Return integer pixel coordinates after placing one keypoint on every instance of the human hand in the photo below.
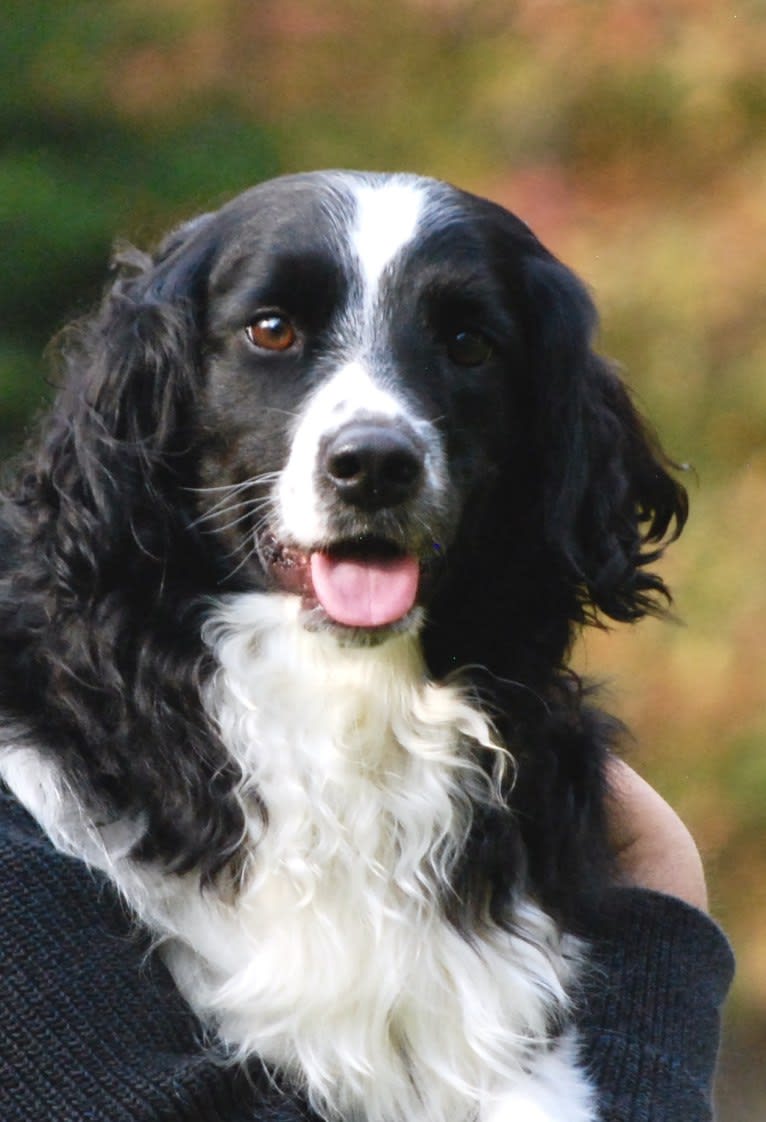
(652, 846)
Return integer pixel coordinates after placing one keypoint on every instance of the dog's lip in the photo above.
(288, 564)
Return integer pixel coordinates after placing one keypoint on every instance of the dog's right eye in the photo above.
(272, 331)
(469, 348)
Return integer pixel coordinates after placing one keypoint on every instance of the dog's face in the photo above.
(377, 394)
(361, 352)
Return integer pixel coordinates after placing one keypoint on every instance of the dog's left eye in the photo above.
(272, 331)
(469, 348)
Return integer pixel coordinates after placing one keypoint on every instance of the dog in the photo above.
(290, 575)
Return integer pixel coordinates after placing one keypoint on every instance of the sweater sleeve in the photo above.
(650, 1019)
(92, 1028)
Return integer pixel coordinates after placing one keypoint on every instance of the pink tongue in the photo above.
(360, 593)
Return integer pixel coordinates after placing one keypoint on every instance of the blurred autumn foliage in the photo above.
(630, 135)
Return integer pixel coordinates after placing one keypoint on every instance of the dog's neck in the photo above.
(356, 738)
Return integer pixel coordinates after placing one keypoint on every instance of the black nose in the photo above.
(373, 465)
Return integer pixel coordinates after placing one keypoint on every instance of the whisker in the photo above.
(250, 553)
(231, 505)
(219, 511)
(229, 525)
(224, 504)
(252, 481)
(250, 540)
(224, 487)
(284, 412)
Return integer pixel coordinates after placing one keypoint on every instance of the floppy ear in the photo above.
(109, 578)
(119, 427)
(610, 500)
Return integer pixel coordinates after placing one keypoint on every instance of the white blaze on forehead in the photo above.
(387, 217)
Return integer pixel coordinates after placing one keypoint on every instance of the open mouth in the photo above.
(365, 583)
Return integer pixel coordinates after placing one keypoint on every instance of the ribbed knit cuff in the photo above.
(651, 1015)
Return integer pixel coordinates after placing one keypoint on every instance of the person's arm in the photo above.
(91, 1026)
(650, 1020)
(652, 846)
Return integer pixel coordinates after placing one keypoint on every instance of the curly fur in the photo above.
(119, 555)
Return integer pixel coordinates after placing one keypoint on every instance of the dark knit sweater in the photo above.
(92, 1029)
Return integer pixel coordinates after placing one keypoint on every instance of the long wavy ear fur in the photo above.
(586, 499)
(610, 496)
(101, 604)
(596, 501)
(119, 428)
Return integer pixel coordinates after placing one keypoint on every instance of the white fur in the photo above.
(387, 217)
(38, 784)
(350, 394)
(334, 962)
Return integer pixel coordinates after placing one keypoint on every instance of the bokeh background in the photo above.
(630, 135)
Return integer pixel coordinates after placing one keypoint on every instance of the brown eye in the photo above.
(272, 332)
(469, 348)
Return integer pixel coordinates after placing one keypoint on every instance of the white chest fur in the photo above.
(335, 961)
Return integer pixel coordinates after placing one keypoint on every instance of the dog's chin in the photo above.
(361, 592)
(315, 619)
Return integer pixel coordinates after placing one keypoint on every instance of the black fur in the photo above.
(106, 575)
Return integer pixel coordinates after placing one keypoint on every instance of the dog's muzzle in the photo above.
(368, 560)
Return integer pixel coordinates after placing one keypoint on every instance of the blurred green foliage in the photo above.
(76, 170)
(631, 136)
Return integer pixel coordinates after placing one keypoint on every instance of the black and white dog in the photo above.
(289, 579)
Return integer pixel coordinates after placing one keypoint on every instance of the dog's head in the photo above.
(377, 394)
